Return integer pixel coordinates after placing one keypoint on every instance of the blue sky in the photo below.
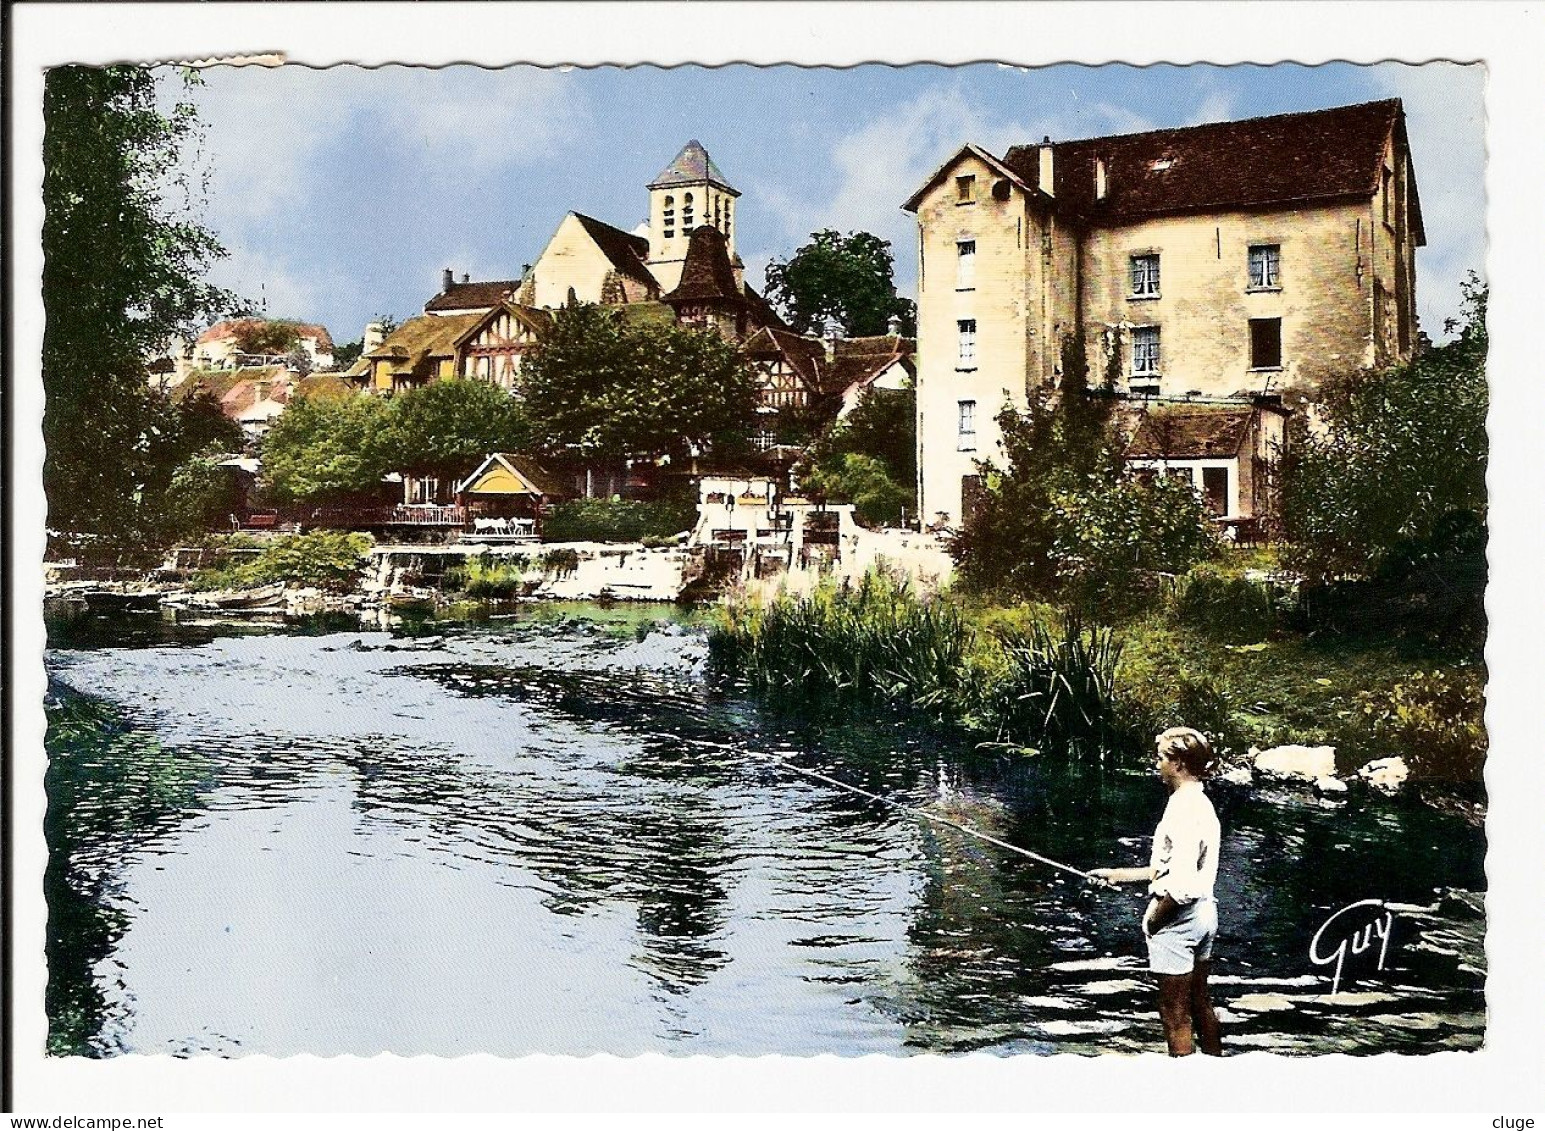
(341, 193)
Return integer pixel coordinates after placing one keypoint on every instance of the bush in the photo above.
(1227, 607)
(612, 520)
(1055, 689)
(326, 559)
(1434, 720)
(483, 578)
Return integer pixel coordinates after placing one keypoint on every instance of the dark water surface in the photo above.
(537, 835)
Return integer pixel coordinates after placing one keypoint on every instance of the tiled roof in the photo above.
(707, 272)
(692, 166)
(1285, 159)
(1190, 433)
(625, 251)
(473, 296)
(858, 361)
(232, 326)
(805, 357)
(762, 312)
(324, 386)
(536, 475)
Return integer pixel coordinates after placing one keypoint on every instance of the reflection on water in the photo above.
(534, 836)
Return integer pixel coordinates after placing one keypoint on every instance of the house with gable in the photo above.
(1224, 269)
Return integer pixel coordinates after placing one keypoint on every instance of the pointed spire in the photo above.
(692, 166)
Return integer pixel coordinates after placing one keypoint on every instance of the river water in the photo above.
(548, 833)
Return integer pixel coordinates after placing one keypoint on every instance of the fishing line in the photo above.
(913, 809)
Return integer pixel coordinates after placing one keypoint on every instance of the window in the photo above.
(1264, 263)
(967, 327)
(668, 219)
(965, 270)
(1145, 351)
(1265, 343)
(966, 437)
(1145, 276)
(965, 190)
(686, 214)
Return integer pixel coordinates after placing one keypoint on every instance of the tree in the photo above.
(870, 457)
(445, 428)
(347, 354)
(849, 278)
(123, 271)
(1065, 518)
(322, 448)
(1399, 471)
(266, 335)
(606, 387)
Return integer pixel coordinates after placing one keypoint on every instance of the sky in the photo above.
(341, 193)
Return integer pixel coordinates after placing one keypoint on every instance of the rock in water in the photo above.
(1386, 775)
(1297, 763)
(1239, 775)
(1329, 786)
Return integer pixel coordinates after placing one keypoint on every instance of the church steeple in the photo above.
(688, 193)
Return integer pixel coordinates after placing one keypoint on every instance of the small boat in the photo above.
(101, 601)
(264, 597)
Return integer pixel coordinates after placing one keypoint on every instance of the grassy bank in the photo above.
(1223, 648)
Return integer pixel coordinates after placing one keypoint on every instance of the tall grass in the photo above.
(484, 578)
(1056, 689)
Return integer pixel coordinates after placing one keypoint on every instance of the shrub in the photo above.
(614, 520)
(1434, 720)
(326, 559)
(560, 563)
(1228, 607)
(484, 578)
(1055, 689)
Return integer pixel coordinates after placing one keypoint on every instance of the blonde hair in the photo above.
(1188, 748)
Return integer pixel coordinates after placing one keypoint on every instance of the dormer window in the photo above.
(965, 190)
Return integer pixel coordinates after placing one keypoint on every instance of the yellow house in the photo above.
(1223, 264)
(486, 344)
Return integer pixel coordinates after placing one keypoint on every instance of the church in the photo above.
(678, 265)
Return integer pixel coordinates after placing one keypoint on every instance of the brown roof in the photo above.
(1285, 159)
(1190, 433)
(762, 312)
(707, 273)
(232, 326)
(858, 361)
(473, 296)
(421, 339)
(625, 251)
(692, 166)
(804, 356)
(324, 386)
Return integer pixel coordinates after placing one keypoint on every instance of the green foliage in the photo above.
(266, 335)
(325, 559)
(608, 387)
(1227, 606)
(487, 578)
(446, 428)
(202, 496)
(1435, 720)
(322, 447)
(870, 458)
(608, 520)
(1403, 455)
(1065, 518)
(874, 642)
(123, 268)
(849, 278)
(866, 482)
(1055, 690)
(346, 355)
(560, 562)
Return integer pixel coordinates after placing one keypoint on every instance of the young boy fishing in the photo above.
(1182, 917)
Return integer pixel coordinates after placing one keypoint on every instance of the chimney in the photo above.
(893, 325)
(466, 278)
(833, 335)
(1045, 183)
(447, 280)
(375, 334)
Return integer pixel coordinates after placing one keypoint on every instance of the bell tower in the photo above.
(688, 193)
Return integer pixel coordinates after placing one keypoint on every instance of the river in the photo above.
(548, 833)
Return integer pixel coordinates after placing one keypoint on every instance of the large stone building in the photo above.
(1213, 268)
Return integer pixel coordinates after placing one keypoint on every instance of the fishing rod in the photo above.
(912, 809)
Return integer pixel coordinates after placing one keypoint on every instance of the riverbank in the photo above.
(1327, 714)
